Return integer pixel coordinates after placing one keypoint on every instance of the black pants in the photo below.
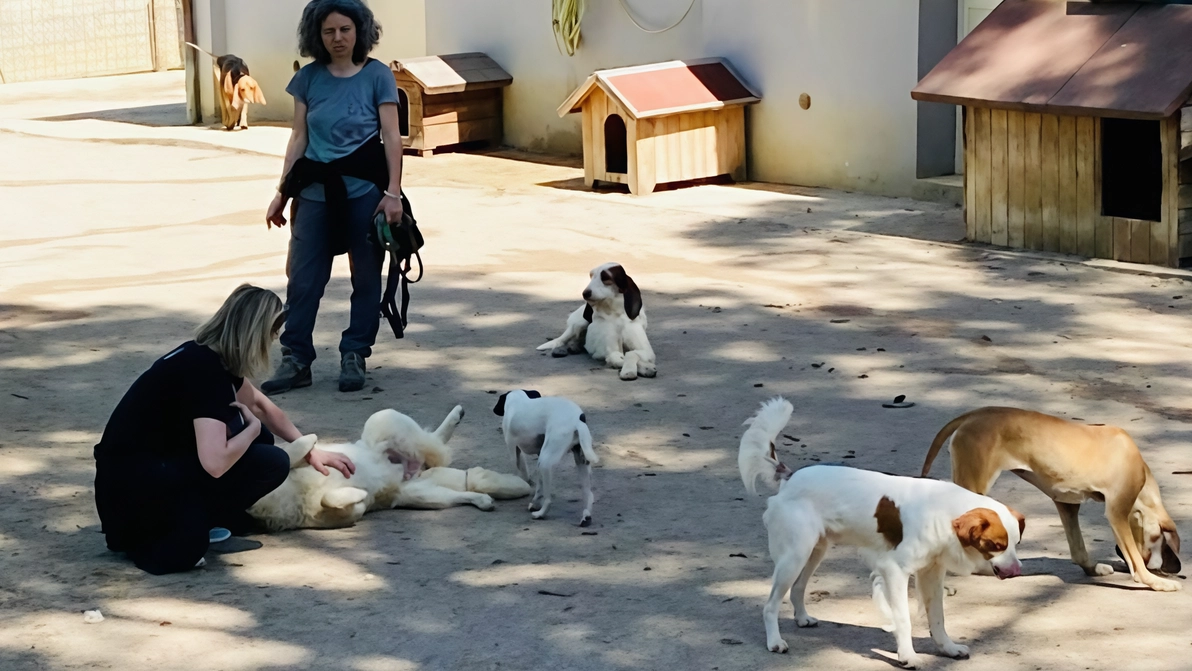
(160, 511)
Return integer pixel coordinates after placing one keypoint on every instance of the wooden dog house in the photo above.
(665, 122)
(448, 100)
(1072, 128)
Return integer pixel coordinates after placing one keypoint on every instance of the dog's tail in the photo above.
(755, 458)
(941, 438)
(198, 48)
(585, 443)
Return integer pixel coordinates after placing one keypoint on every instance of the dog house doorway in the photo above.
(616, 145)
(403, 112)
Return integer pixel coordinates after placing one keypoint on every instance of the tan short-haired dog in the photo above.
(1071, 463)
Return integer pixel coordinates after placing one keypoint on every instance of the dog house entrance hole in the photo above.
(403, 112)
(616, 145)
(1131, 169)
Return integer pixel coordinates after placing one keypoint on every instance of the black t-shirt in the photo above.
(156, 416)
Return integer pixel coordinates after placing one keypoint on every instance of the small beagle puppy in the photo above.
(611, 325)
(548, 428)
(901, 526)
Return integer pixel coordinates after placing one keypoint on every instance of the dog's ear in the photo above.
(1171, 549)
(530, 393)
(588, 313)
(499, 408)
(251, 91)
(626, 285)
(1021, 521)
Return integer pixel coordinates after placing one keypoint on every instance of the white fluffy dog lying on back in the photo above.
(398, 465)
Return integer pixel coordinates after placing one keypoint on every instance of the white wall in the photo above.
(264, 34)
(857, 59)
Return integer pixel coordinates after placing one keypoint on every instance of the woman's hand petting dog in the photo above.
(322, 461)
(391, 207)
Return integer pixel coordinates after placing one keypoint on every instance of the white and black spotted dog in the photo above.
(611, 325)
(548, 428)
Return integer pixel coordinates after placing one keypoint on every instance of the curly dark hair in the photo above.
(310, 28)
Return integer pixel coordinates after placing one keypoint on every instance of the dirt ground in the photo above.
(121, 229)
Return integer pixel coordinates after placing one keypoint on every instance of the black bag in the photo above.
(403, 241)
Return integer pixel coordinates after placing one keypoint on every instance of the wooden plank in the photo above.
(645, 158)
(467, 131)
(464, 111)
(706, 146)
(1068, 193)
(982, 198)
(1016, 195)
(1086, 226)
(1171, 175)
(999, 182)
(1121, 239)
(589, 155)
(598, 103)
(1050, 197)
(970, 187)
(687, 147)
(631, 163)
(447, 99)
(1103, 224)
(1140, 241)
(674, 149)
(1033, 179)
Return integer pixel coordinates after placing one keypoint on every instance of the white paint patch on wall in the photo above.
(856, 59)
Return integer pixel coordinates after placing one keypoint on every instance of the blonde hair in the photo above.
(242, 329)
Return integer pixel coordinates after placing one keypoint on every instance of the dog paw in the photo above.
(777, 646)
(628, 376)
(911, 661)
(647, 371)
(559, 352)
(1101, 569)
(1163, 585)
(485, 502)
(586, 521)
(949, 590)
(533, 506)
(806, 621)
(538, 514)
(955, 651)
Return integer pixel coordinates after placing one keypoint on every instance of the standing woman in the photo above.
(340, 175)
(185, 449)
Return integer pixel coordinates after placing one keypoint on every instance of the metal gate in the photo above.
(60, 39)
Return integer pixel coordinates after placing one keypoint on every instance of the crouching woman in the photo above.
(189, 448)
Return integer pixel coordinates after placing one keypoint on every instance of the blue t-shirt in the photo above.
(341, 114)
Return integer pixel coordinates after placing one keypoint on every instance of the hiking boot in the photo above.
(351, 372)
(290, 375)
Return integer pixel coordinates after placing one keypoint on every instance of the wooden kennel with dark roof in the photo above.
(664, 122)
(449, 100)
(1073, 130)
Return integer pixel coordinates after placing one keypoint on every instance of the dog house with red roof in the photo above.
(665, 122)
(1074, 136)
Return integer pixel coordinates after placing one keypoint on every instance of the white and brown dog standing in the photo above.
(548, 427)
(611, 325)
(1071, 463)
(901, 526)
(398, 465)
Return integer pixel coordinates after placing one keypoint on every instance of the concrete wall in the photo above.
(857, 59)
(264, 34)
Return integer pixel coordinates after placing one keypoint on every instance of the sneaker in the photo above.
(218, 535)
(290, 375)
(351, 372)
